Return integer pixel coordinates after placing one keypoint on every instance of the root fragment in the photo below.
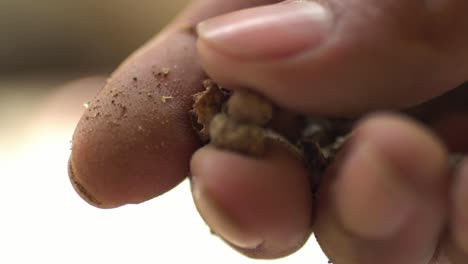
(207, 104)
(227, 133)
(232, 121)
(245, 122)
(248, 107)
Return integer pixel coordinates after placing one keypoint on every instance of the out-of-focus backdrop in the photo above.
(44, 46)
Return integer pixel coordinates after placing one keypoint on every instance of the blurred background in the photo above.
(44, 46)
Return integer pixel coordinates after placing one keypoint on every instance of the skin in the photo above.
(390, 197)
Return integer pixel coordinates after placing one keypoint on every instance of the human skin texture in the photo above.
(135, 141)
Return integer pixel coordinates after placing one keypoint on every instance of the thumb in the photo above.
(340, 57)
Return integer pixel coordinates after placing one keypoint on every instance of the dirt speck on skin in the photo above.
(123, 111)
(112, 124)
(94, 115)
(166, 99)
(114, 93)
(163, 72)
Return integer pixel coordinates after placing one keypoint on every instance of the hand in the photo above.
(388, 199)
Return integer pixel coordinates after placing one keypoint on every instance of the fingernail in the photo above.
(268, 32)
(80, 189)
(222, 222)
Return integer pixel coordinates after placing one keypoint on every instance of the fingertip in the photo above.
(267, 201)
(387, 194)
(114, 166)
(368, 183)
(81, 190)
(414, 150)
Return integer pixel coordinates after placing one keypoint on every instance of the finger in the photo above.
(340, 57)
(385, 201)
(452, 127)
(457, 242)
(135, 140)
(261, 207)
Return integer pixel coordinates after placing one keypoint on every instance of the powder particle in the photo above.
(95, 115)
(166, 99)
(164, 71)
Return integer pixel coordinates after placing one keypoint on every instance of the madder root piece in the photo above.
(247, 107)
(207, 104)
(228, 133)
